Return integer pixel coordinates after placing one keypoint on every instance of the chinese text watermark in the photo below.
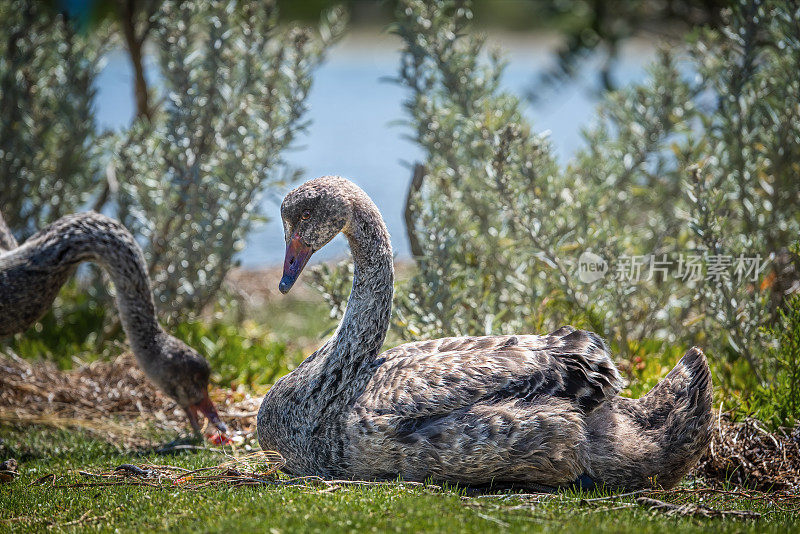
(684, 267)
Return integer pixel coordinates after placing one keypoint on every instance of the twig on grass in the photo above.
(615, 496)
(257, 469)
(695, 510)
(745, 454)
(490, 518)
(85, 517)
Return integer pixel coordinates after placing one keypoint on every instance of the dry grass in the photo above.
(745, 454)
(113, 400)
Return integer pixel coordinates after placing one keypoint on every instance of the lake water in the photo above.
(352, 111)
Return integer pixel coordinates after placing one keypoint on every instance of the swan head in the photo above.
(183, 374)
(313, 214)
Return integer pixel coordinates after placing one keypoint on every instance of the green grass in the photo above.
(41, 451)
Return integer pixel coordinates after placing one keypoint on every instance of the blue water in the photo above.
(352, 111)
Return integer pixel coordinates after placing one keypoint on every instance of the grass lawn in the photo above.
(42, 451)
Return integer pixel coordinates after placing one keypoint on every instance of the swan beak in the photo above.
(206, 407)
(297, 255)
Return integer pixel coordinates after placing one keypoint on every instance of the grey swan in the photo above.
(522, 410)
(31, 275)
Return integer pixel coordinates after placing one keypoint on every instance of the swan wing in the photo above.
(429, 379)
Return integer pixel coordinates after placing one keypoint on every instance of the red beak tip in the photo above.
(220, 439)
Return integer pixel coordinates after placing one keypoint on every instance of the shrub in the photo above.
(236, 85)
(742, 168)
(48, 144)
(494, 190)
(778, 402)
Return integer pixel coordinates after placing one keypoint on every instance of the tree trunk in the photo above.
(413, 189)
(135, 44)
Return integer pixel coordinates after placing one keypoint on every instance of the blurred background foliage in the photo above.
(592, 30)
(187, 176)
(700, 159)
(49, 157)
(193, 174)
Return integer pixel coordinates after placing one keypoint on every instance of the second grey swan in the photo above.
(32, 274)
(525, 409)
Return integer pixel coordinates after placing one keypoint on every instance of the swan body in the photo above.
(31, 275)
(525, 409)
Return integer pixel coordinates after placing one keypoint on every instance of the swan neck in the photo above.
(104, 241)
(361, 333)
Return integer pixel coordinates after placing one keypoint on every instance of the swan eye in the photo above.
(306, 215)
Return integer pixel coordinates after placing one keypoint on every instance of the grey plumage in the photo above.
(525, 409)
(31, 275)
(7, 241)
